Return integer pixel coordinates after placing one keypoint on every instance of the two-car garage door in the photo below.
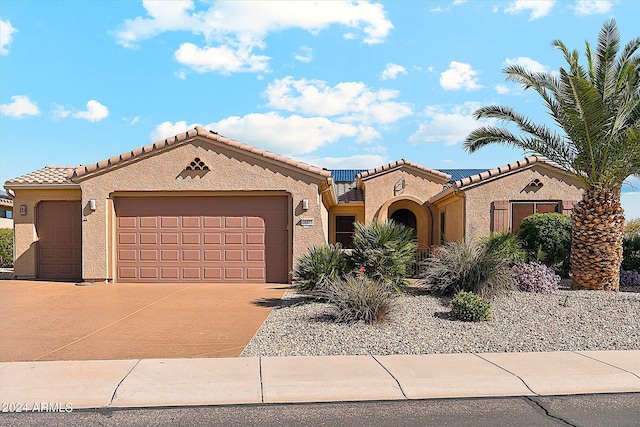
(202, 239)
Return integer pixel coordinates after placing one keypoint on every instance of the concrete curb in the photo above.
(253, 380)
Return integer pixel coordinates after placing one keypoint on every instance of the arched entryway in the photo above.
(407, 218)
(412, 212)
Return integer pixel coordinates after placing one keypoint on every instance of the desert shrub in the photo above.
(322, 264)
(474, 267)
(631, 252)
(360, 298)
(508, 244)
(629, 278)
(6, 247)
(470, 307)
(632, 227)
(535, 277)
(548, 235)
(385, 250)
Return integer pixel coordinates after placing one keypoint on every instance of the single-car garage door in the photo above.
(202, 239)
(59, 228)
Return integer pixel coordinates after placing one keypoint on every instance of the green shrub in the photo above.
(359, 298)
(385, 250)
(508, 244)
(548, 235)
(631, 252)
(6, 247)
(632, 227)
(470, 307)
(475, 267)
(322, 264)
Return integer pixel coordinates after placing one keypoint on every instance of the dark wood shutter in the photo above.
(500, 215)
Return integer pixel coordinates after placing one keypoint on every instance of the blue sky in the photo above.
(334, 84)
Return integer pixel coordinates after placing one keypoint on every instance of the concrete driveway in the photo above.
(62, 321)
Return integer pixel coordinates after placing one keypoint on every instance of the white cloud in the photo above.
(536, 8)
(290, 135)
(6, 36)
(358, 161)
(459, 76)
(448, 127)
(234, 29)
(94, 113)
(222, 59)
(132, 121)
(287, 135)
(304, 54)
(347, 101)
(21, 106)
(167, 129)
(502, 89)
(527, 63)
(59, 112)
(392, 71)
(592, 7)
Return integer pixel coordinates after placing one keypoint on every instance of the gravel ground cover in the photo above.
(420, 324)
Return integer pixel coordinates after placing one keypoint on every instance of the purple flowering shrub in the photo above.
(629, 278)
(535, 277)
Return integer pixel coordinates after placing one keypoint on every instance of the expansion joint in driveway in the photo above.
(115, 391)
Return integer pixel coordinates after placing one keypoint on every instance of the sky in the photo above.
(340, 85)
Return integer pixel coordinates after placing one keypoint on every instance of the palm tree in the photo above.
(597, 109)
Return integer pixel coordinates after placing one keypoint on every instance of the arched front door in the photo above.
(407, 218)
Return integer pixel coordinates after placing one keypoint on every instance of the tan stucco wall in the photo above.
(379, 189)
(557, 186)
(164, 172)
(453, 208)
(26, 237)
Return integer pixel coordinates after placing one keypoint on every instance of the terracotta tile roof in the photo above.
(403, 162)
(492, 173)
(46, 175)
(192, 133)
(348, 192)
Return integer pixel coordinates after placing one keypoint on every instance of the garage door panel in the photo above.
(224, 239)
(149, 222)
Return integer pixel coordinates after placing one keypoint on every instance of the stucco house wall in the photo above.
(162, 174)
(557, 186)
(26, 237)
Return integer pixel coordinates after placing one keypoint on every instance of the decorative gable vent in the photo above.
(197, 165)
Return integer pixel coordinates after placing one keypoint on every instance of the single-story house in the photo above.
(6, 210)
(200, 207)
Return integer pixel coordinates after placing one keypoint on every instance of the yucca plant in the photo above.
(322, 264)
(597, 111)
(471, 267)
(384, 251)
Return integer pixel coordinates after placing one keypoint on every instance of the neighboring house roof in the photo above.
(400, 163)
(345, 175)
(185, 136)
(44, 176)
(457, 174)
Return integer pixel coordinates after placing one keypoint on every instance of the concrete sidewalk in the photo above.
(251, 380)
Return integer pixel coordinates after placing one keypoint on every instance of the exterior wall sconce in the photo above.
(23, 209)
(92, 205)
(305, 204)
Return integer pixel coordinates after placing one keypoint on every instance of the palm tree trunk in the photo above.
(596, 240)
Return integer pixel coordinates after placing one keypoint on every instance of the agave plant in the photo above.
(384, 251)
(597, 111)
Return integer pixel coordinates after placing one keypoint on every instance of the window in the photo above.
(344, 230)
(4, 213)
(520, 210)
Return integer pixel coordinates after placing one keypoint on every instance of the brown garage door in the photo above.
(202, 239)
(59, 228)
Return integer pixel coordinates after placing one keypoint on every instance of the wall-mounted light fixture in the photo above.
(23, 209)
(92, 205)
(305, 204)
